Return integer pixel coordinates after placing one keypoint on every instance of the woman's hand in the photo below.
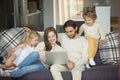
(43, 59)
(70, 65)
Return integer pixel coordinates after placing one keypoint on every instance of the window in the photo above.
(68, 9)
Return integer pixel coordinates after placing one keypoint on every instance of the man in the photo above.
(77, 48)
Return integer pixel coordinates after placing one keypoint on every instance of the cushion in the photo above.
(9, 39)
(109, 53)
(97, 59)
(103, 72)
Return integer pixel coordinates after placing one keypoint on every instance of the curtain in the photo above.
(68, 9)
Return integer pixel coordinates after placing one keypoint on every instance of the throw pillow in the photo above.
(109, 53)
(9, 39)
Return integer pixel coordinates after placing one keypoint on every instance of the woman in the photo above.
(50, 43)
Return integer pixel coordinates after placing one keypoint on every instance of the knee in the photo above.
(35, 54)
(54, 67)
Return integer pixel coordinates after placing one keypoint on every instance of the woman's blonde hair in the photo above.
(30, 35)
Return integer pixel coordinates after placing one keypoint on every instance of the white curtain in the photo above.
(68, 9)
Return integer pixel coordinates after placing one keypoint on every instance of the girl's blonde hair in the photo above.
(30, 35)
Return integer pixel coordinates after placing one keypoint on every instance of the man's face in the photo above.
(70, 32)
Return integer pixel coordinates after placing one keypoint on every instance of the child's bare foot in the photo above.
(1, 72)
(3, 66)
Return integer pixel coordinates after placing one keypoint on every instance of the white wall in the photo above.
(103, 17)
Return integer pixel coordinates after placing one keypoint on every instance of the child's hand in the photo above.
(26, 29)
(102, 41)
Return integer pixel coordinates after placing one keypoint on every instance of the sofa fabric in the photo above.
(9, 39)
(103, 72)
(109, 53)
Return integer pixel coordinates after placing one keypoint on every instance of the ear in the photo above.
(76, 28)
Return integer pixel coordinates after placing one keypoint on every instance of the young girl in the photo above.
(94, 34)
(23, 50)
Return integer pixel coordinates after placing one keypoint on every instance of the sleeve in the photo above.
(84, 54)
(40, 48)
(18, 52)
(81, 29)
(102, 33)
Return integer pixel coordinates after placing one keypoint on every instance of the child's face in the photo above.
(89, 21)
(33, 41)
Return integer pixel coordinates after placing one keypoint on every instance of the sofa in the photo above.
(104, 69)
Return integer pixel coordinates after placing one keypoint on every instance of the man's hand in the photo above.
(70, 65)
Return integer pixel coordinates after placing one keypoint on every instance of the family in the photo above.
(29, 55)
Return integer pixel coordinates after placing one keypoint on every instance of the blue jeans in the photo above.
(29, 64)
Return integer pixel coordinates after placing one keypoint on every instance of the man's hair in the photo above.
(70, 23)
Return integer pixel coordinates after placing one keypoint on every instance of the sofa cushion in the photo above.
(9, 39)
(6, 78)
(97, 59)
(44, 75)
(109, 52)
(103, 72)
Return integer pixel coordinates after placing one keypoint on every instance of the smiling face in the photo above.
(52, 38)
(89, 21)
(89, 17)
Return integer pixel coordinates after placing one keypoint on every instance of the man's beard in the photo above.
(71, 37)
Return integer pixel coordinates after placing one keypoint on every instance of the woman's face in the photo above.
(52, 38)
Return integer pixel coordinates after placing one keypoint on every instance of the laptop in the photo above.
(56, 57)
